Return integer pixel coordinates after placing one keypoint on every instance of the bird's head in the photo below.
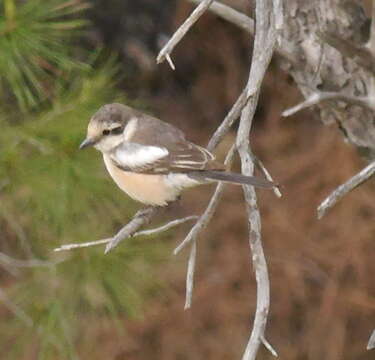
(106, 127)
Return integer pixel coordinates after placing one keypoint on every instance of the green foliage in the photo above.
(51, 193)
(35, 39)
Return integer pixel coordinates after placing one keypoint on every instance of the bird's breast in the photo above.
(157, 190)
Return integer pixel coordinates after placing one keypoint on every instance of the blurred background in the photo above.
(59, 62)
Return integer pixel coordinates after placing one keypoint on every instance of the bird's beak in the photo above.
(87, 142)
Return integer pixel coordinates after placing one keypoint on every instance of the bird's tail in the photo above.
(231, 177)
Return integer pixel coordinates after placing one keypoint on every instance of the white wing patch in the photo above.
(132, 155)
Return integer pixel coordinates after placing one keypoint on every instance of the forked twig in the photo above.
(235, 17)
(165, 52)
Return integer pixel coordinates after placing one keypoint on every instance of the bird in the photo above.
(151, 160)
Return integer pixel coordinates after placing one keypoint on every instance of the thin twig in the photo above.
(203, 220)
(190, 276)
(233, 114)
(231, 15)
(371, 341)
(141, 218)
(166, 51)
(268, 176)
(206, 217)
(345, 188)
(7, 260)
(269, 347)
(196, 230)
(320, 96)
(157, 230)
(371, 44)
(246, 23)
(264, 44)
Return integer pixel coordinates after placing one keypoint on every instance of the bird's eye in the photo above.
(116, 130)
(106, 132)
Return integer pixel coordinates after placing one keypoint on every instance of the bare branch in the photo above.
(371, 44)
(264, 44)
(233, 114)
(157, 230)
(246, 23)
(204, 220)
(343, 189)
(269, 347)
(231, 15)
(190, 276)
(166, 51)
(371, 342)
(141, 218)
(268, 176)
(197, 228)
(320, 96)
(209, 212)
(9, 261)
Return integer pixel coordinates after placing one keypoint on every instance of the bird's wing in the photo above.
(156, 147)
(182, 156)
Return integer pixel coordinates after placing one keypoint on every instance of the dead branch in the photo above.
(264, 44)
(165, 52)
(247, 23)
(199, 226)
(149, 232)
(344, 189)
(371, 43)
(231, 15)
(371, 342)
(141, 218)
(318, 97)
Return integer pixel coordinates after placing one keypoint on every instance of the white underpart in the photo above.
(133, 155)
(130, 129)
(178, 182)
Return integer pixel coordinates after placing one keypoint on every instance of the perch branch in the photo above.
(141, 218)
(264, 44)
(165, 52)
(157, 230)
(345, 188)
(371, 342)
